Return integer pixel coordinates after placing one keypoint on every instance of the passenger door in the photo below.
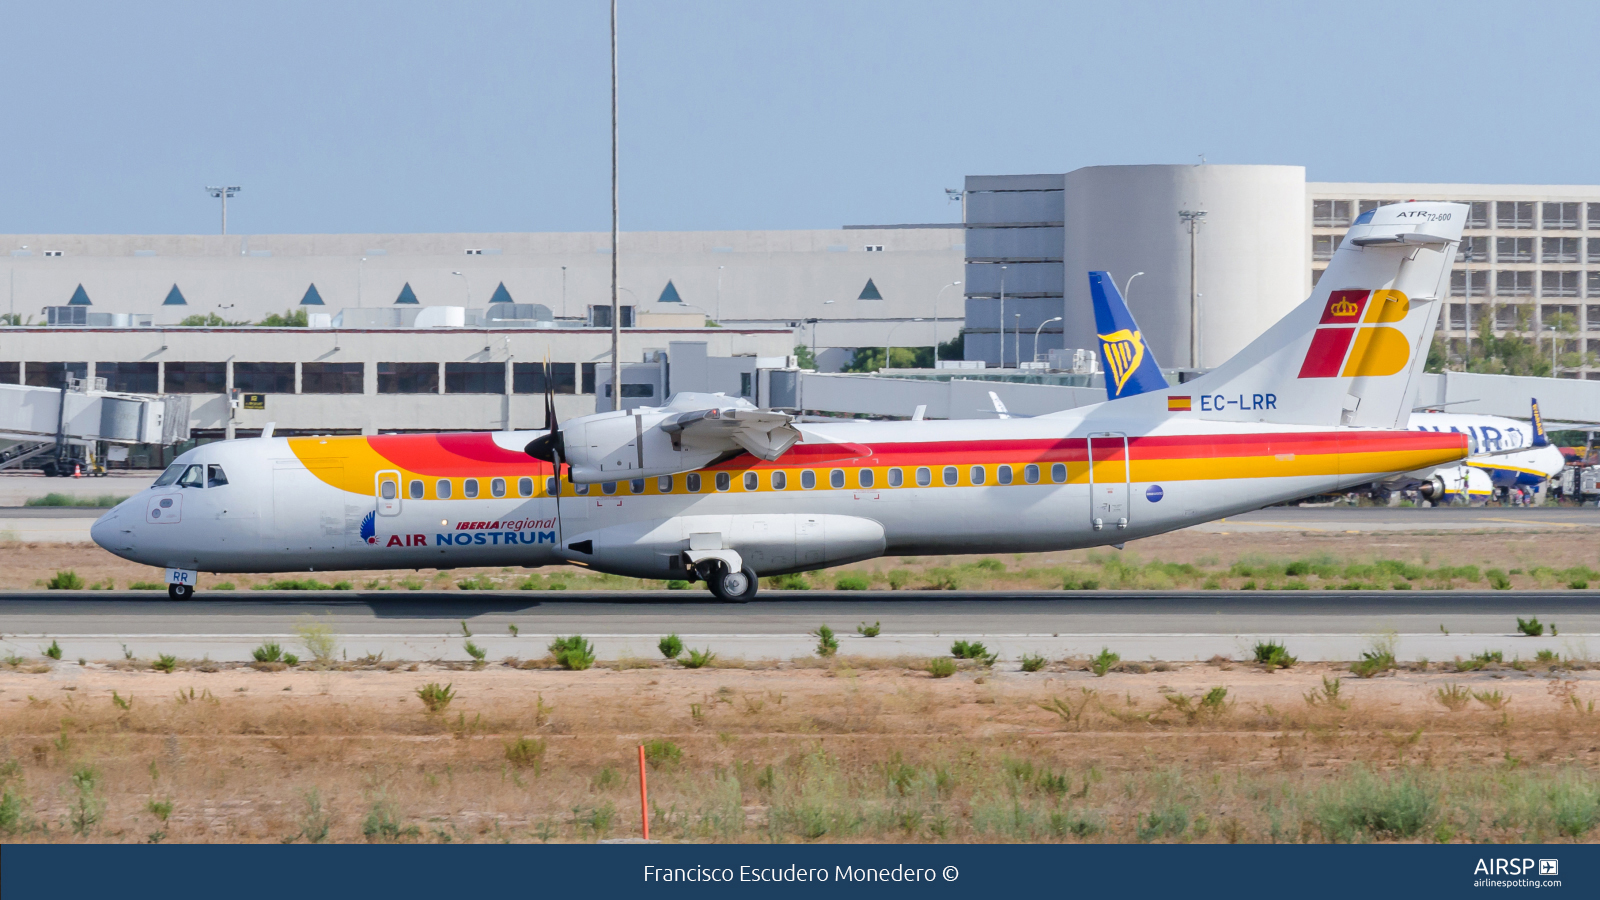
(1108, 481)
(388, 488)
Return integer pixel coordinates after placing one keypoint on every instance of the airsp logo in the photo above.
(1501, 866)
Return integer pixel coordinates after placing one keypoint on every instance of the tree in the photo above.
(1516, 351)
(296, 319)
(208, 320)
(804, 358)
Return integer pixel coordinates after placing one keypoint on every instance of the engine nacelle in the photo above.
(692, 431)
(768, 544)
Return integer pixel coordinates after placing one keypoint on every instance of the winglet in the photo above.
(1131, 367)
(1540, 439)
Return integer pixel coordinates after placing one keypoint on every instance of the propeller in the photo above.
(550, 447)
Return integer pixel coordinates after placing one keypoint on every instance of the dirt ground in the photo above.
(804, 750)
(1556, 559)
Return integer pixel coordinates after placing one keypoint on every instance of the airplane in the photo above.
(708, 488)
(1507, 453)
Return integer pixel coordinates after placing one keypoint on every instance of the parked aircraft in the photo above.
(1506, 453)
(708, 488)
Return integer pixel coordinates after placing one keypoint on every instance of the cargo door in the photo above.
(1108, 481)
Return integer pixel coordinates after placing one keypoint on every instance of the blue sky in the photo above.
(493, 116)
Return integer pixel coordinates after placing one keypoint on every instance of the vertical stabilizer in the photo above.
(1131, 366)
(1540, 439)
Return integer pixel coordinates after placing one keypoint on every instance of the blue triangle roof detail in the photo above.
(312, 298)
(501, 295)
(79, 298)
(669, 294)
(406, 295)
(174, 298)
(870, 292)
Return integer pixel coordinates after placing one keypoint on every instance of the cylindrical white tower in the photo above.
(1252, 254)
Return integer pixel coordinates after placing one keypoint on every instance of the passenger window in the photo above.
(1002, 474)
(977, 474)
(636, 486)
(866, 478)
(552, 486)
(470, 487)
(723, 481)
(808, 479)
(836, 478)
(610, 487)
(442, 488)
(664, 484)
(1058, 473)
(924, 476)
(416, 488)
(524, 487)
(581, 490)
(497, 487)
(388, 491)
(215, 476)
(896, 478)
(752, 481)
(692, 483)
(779, 481)
(170, 475)
(950, 476)
(1030, 474)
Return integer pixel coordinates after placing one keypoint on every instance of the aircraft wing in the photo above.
(759, 432)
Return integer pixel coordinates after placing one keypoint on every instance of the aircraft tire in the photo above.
(736, 587)
(180, 591)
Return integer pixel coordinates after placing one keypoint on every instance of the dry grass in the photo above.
(877, 752)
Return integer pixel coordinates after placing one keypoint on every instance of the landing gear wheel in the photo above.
(734, 587)
(180, 591)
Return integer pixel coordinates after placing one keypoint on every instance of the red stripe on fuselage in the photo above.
(460, 454)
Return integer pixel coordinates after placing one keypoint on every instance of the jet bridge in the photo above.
(71, 421)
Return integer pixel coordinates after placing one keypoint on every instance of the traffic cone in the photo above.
(77, 470)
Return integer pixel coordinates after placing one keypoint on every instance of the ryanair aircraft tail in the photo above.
(1540, 439)
(1351, 353)
(1130, 365)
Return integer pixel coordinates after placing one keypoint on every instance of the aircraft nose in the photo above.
(103, 530)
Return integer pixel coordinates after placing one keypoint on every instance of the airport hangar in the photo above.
(450, 331)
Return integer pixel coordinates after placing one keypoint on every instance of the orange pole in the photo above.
(644, 796)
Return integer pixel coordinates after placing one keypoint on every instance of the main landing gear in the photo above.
(180, 591)
(727, 584)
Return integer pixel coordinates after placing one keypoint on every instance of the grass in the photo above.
(1531, 627)
(941, 667)
(1272, 655)
(53, 651)
(670, 646)
(318, 639)
(157, 586)
(660, 753)
(165, 662)
(851, 581)
(478, 653)
(873, 630)
(827, 643)
(524, 753)
(698, 659)
(101, 501)
(65, 580)
(1453, 697)
(435, 699)
(1378, 657)
(572, 653)
(302, 584)
(1103, 661)
(268, 652)
(1032, 662)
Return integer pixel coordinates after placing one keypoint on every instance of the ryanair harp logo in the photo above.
(1124, 350)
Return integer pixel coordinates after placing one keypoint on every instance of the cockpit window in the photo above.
(194, 477)
(170, 475)
(215, 476)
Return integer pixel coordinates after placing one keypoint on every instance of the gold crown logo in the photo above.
(1344, 307)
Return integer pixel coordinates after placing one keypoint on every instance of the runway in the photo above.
(1334, 625)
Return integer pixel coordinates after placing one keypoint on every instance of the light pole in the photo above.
(563, 291)
(889, 343)
(469, 286)
(1552, 329)
(1041, 328)
(1002, 317)
(223, 193)
(813, 323)
(1127, 286)
(361, 277)
(1016, 338)
(1193, 218)
(936, 321)
(616, 311)
(719, 295)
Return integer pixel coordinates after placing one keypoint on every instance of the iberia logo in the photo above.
(1350, 341)
(1124, 351)
(369, 528)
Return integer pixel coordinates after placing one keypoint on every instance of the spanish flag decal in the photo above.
(1178, 404)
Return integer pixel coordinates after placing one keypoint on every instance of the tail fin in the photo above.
(1130, 365)
(1350, 354)
(1540, 439)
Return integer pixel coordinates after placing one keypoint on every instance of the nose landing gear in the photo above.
(180, 591)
